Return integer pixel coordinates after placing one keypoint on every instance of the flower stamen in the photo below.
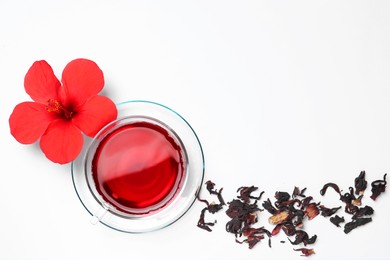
(56, 107)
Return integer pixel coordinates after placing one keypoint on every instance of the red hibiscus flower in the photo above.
(60, 112)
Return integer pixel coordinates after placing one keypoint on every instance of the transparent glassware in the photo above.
(176, 204)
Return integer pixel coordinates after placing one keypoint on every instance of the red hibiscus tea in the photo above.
(139, 167)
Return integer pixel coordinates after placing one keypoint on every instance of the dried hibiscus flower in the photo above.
(336, 220)
(245, 193)
(360, 183)
(210, 207)
(254, 235)
(243, 215)
(312, 210)
(202, 223)
(326, 212)
(302, 237)
(353, 203)
(59, 112)
(377, 187)
(361, 212)
(267, 205)
(356, 223)
(305, 251)
(210, 187)
(288, 212)
(331, 185)
(297, 192)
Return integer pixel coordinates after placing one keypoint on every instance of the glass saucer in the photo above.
(176, 204)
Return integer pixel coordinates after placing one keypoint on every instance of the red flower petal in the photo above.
(62, 141)
(94, 114)
(29, 121)
(81, 80)
(41, 83)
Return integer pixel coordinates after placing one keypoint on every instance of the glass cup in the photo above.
(182, 193)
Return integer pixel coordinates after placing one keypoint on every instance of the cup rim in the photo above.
(100, 136)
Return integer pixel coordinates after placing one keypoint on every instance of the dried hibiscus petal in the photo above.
(302, 237)
(235, 209)
(297, 192)
(245, 193)
(360, 183)
(255, 232)
(210, 187)
(331, 185)
(205, 225)
(249, 231)
(356, 223)
(351, 209)
(276, 229)
(252, 241)
(305, 251)
(326, 212)
(234, 226)
(289, 203)
(306, 201)
(312, 211)
(267, 205)
(240, 210)
(243, 215)
(289, 229)
(213, 208)
(348, 197)
(377, 187)
(281, 196)
(298, 216)
(336, 220)
(210, 207)
(361, 212)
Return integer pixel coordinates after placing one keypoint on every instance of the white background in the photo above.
(281, 94)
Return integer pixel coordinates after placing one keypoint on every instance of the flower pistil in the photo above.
(56, 107)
